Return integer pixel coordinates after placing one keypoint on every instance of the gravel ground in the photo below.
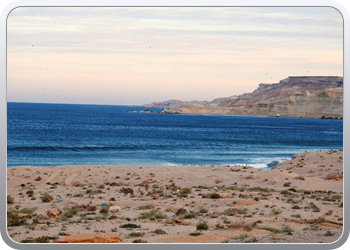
(321, 236)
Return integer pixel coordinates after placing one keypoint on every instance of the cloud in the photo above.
(166, 46)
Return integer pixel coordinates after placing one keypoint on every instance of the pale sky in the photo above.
(134, 56)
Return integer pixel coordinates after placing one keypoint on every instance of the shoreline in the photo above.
(232, 200)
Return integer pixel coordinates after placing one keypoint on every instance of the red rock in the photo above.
(53, 213)
(91, 238)
(147, 182)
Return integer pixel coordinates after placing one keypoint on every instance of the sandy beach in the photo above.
(297, 201)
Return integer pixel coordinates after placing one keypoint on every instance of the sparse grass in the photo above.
(252, 240)
(230, 212)
(140, 241)
(16, 223)
(152, 215)
(38, 178)
(144, 207)
(30, 192)
(195, 233)
(27, 210)
(41, 239)
(273, 230)
(63, 234)
(189, 216)
(330, 212)
(136, 234)
(243, 196)
(242, 210)
(70, 212)
(276, 211)
(46, 198)
(287, 230)
(329, 233)
(241, 237)
(241, 224)
(185, 191)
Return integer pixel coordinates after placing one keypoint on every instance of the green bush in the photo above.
(140, 241)
(27, 210)
(195, 233)
(70, 212)
(213, 196)
(202, 226)
(159, 231)
(185, 191)
(287, 184)
(152, 215)
(10, 199)
(46, 198)
(189, 216)
(130, 225)
(135, 234)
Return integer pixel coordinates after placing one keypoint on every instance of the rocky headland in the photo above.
(295, 96)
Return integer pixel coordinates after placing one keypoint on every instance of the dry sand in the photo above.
(297, 201)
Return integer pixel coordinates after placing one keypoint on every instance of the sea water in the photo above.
(61, 134)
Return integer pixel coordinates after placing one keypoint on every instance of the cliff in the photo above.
(304, 96)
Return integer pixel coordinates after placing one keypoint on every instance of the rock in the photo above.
(146, 182)
(298, 96)
(278, 115)
(115, 209)
(178, 222)
(91, 238)
(53, 213)
(129, 111)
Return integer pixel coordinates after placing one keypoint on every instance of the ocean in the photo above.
(61, 134)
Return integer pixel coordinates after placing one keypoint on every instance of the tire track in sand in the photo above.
(73, 174)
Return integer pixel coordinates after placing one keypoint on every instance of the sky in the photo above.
(134, 56)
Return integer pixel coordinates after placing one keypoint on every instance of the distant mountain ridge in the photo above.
(295, 96)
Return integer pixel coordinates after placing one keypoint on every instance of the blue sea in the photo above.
(60, 134)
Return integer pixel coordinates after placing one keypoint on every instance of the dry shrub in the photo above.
(302, 178)
(181, 211)
(77, 184)
(250, 177)
(334, 176)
